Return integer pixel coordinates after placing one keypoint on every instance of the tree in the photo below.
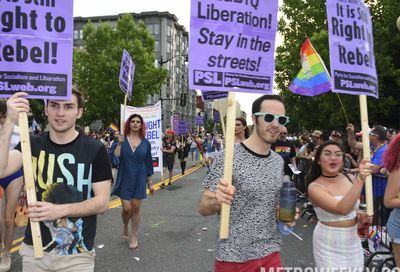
(308, 18)
(97, 66)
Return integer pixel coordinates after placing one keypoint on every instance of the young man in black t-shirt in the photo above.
(286, 150)
(61, 156)
(168, 149)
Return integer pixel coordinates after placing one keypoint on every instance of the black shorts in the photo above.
(169, 163)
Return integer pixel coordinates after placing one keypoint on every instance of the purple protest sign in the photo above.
(127, 74)
(207, 95)
(351, 47)
(217, 116)
(199, 120)
(174, 122)
(232, 45)
(36, 52)
(182, 127)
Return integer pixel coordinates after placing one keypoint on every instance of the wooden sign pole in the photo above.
(29, 181)
(222, 117)
(229, 142)
(366, 151)
(123, 116)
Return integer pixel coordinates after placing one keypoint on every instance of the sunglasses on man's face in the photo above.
(269, 117)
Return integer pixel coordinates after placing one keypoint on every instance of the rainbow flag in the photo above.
(114, 127)
(374, 236)
(313, 78)
(198, 156)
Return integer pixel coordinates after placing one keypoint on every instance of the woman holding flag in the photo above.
(336, 244)
(134, 174)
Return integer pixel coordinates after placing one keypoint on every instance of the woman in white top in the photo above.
(336, 244)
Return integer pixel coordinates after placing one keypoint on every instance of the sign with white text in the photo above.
(152, 116)
(127, 74)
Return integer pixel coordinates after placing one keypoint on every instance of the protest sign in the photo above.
(232, 45)
(353, 67)
(199, 120)
(207, 95)
(36, 48)
(174, 122)
(351, 47)
(183, 127)
(216, 116)
(152, 116)
(127, 74)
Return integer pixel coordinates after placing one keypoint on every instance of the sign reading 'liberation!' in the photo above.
(351, 47)
(232, 45)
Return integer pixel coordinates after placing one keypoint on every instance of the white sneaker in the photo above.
(5, 264)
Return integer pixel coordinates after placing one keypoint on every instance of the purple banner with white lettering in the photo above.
(127, 74)
(174, 122)
(199, 120)
(207, 95)
(232, 45)
(351, 47)
(36, 48)
(217, 116)
(183, 127)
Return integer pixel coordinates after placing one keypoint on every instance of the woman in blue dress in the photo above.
(134, 174)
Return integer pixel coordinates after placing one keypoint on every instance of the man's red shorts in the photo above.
(260, 265)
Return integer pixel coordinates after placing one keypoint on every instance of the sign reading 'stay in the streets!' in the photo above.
(351, 45)
(232, 45)
(36, 48)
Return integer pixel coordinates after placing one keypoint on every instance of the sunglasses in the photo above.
(269, 118)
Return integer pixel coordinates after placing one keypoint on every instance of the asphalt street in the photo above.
(173, 237)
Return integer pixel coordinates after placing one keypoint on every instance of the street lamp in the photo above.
(162, 62)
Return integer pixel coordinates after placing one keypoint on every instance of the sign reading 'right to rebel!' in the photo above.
(232, 45)
(351, 47)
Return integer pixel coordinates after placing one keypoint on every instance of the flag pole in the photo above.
(344, 111)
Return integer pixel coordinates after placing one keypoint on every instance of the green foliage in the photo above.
(303, 18)
(97, 66)
(37, 108)
(210, 125)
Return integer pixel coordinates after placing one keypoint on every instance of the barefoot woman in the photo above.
(134, 174)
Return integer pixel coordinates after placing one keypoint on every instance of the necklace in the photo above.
(334, 176)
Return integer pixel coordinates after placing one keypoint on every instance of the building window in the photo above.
(156, 29)
(157, 46)
(168, 49)
(76, 34)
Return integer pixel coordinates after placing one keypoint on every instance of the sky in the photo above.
(180, 8)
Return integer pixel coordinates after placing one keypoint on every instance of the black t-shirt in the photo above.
(287, 151)
(64, 174)
(167, 145)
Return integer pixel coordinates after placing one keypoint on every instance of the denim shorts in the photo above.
(393, 226)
